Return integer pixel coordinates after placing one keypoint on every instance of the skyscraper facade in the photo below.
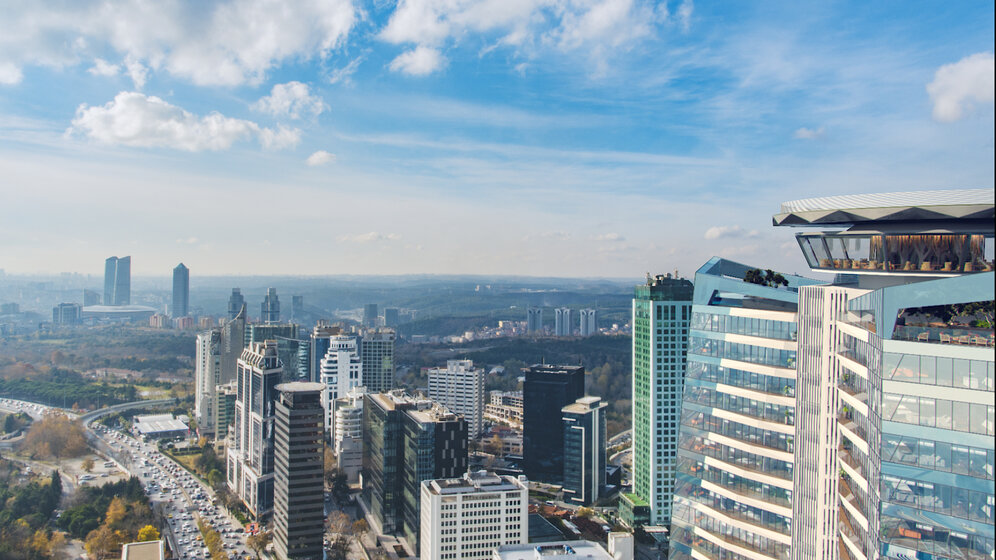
(589, 322)
(377, 355)
(320, 336)
(534, 320)
(661, 313)
(341, 370)
(236, 302)
(460, 387)
(546, 390)
(563, 322)
(370, 315)
(347, 434)
(181, 291)
(391, 317)
(117, 281)
(67, 314)
(298, 481)
(207, 377)
(584, 450)
(297, 308)
(269, 310)
(250, 452)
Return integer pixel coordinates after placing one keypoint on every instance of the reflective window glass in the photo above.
(927, 412)
(944, 372)
(960, 416)
(928, 370)
(942, 414)
(962, 377)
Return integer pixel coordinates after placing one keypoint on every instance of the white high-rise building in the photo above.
(534, 320)
(460, 387)
(467, 518)
(207, 376)
(341, 370)
(347, 437)
(589, 322)
(563, 324)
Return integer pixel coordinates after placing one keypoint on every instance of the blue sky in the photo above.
(537, 137)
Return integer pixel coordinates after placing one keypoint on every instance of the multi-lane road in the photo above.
(176, 495)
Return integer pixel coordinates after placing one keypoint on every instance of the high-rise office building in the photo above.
(589, 322)
(298, 472)
(117, 281)
(90, 297)
(894, 450)
(392, 317)
(563, 321)
(181, 291)
(236, 303)
(734, 486)
(546, 390)
(250, 451)
(320, 336)
(460, 387)
(407, 440)
(297, 308)
(661, 311)
(468, 517)
(207, 377)
(584, 450)
(347, 435)
(377, 355)
(67, 314)
(370, 315)
(269, 309)
(224, 408)
(341, 370)
(534, 320)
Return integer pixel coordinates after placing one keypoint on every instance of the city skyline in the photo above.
(569, 139)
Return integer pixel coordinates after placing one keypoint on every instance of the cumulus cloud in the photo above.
(419, 61)
(597, 27)
(135, 119)
(809, 133)
(10, 74)
(103, 68)
(225, 43)
(719, 232)
(369, 237)
(291, 100)
(321, 157)
(958, 87)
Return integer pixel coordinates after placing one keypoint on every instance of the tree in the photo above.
(258, 542)
(496, 446)
(584, 512)
(339, 486)
(87, 464)
(100, 542)
(330, 467)
(116, 512)
(148, 533)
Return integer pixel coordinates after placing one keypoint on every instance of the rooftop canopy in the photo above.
(911, 206)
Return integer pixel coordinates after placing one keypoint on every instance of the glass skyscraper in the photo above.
(181, 291)
(117, 281)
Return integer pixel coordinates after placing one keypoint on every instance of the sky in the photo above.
(586, 138)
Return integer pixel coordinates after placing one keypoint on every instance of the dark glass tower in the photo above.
(546, 391)
(117, 281)
(235, 303)
(269, 310)
(181, 290)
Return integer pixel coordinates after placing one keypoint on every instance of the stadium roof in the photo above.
(912, 206)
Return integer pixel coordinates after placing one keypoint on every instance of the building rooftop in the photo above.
(561, 550)
(476, 481)
(584, 404)
(910, 206)
(149, 550)
(155, 423)
(300, 386)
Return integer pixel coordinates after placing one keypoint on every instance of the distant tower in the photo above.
(589, 322)
(563, 323)
(298, 481)
(181, 290)
(269, 310)
(391, 317)
(90, 297)
(117, 281)
(235, 303)
(370, 315)
(297, 307)
(377, 353)
(534, 320)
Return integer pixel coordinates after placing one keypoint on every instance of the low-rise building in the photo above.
(563, 550)
(147, 550)
(159, 426)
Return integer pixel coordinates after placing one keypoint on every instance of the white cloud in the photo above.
(344, 74)
(958, 87)
(291, 100)
(226, 43)
(10, 74)
(321, 157)
(809, 133)
(611, 237)
(685, 13)
(187, 241)
(135, 119)
(136, 71)
(103, 68)
(419, 61)
(719, 232)
(370, 237)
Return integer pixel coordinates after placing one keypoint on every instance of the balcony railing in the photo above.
(966, 336)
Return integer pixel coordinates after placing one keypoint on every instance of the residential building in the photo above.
(181, 291)
(250, 448)
(547, 389)
(734, 486)
(341, 371)
(236, 302)
(407, 440)
(560, 550)
(298, 481)
(224, 410)
(370, 315)
(460, 387)
(377, 355)
(563, 324)
(67, 314)
(662, 309)
(347, 435)
(589, 322)
(269, 309)
(505, 407)
(584, 450)
(117, 281)
(534, 320)
(894, 453)
(468, 517)
(207, 377)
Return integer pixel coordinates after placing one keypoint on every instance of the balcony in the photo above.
(847, 532)
(913, 254)
(940, 333)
